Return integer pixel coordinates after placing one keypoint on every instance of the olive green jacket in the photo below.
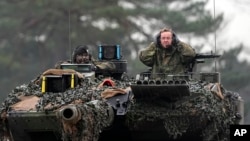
(172, 60)
(104, 65)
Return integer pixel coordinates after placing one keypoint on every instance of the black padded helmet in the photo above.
(80, 49)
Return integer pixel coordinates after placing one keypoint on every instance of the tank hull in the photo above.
(33, 125)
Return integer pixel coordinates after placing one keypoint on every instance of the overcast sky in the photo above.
(236, 27)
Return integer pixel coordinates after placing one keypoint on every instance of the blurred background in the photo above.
(35, 35)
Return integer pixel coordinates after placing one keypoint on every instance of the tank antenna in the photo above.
(215, 49)
(70, 47)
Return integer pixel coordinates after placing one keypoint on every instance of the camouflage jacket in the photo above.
(169, 61)
(104, 65)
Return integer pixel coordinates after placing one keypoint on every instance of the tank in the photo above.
(80, 103)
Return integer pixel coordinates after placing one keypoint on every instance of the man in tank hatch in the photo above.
(167, 54)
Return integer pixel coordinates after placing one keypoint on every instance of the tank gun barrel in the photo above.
(204, 56)
(70, 114)
(200, 57)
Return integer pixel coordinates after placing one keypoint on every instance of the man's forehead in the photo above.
(83, 54)
(166, 33)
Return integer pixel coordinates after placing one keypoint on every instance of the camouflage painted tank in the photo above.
(75, 103)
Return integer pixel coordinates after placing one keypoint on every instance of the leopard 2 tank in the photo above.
(78, 102)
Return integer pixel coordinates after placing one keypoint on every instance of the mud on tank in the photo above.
(78, 103)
